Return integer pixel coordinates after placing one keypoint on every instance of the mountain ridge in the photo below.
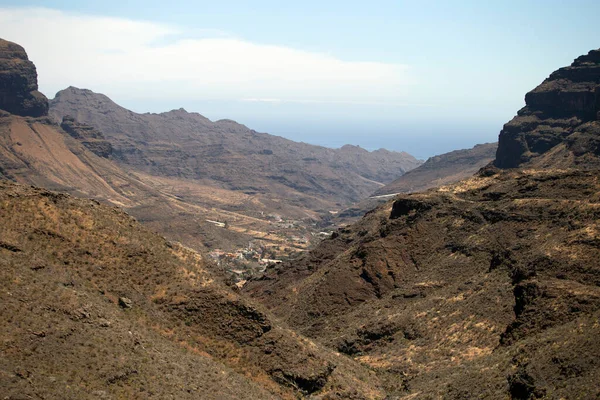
(207, 149)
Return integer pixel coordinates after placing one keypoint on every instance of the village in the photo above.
(284, 241)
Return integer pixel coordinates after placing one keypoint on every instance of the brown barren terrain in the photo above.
(486, 288)
(97, 306)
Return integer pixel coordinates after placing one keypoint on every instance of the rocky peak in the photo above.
(76, 90)
(83, 98)
(350, 148)
(564, 110)
(18, 83)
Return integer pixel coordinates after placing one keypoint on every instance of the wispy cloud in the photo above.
(151, 60)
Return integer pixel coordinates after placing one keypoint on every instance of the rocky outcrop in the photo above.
(90, 137)
(564, 110)
(18, 83)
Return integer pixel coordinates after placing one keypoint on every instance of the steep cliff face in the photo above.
(18, 83)
(563, 111)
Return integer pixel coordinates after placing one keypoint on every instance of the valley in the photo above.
(213, 186)
(171, 256)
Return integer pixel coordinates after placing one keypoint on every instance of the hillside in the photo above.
(178, 144)
(93, 305)
(36, 151)
(442, 169)
(96, 306)
(486, 288)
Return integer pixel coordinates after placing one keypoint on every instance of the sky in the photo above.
(425, 77)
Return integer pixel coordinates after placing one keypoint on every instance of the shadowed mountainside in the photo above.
(489, 287)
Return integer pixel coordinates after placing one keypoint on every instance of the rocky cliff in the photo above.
(18, 83)
(560, 122)
(90, 137)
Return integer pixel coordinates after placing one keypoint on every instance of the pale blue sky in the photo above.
(421, 76)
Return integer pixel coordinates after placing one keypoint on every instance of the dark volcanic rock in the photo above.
(563, 110)
(90, 137)
(18, 83)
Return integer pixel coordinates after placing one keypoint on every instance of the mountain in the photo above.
(212, 186)
(559, 124)
(18, 83)
(96, 306)
(486, 288)
(36, 151)
(75, 158)
(442, 170)
(178, 144)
